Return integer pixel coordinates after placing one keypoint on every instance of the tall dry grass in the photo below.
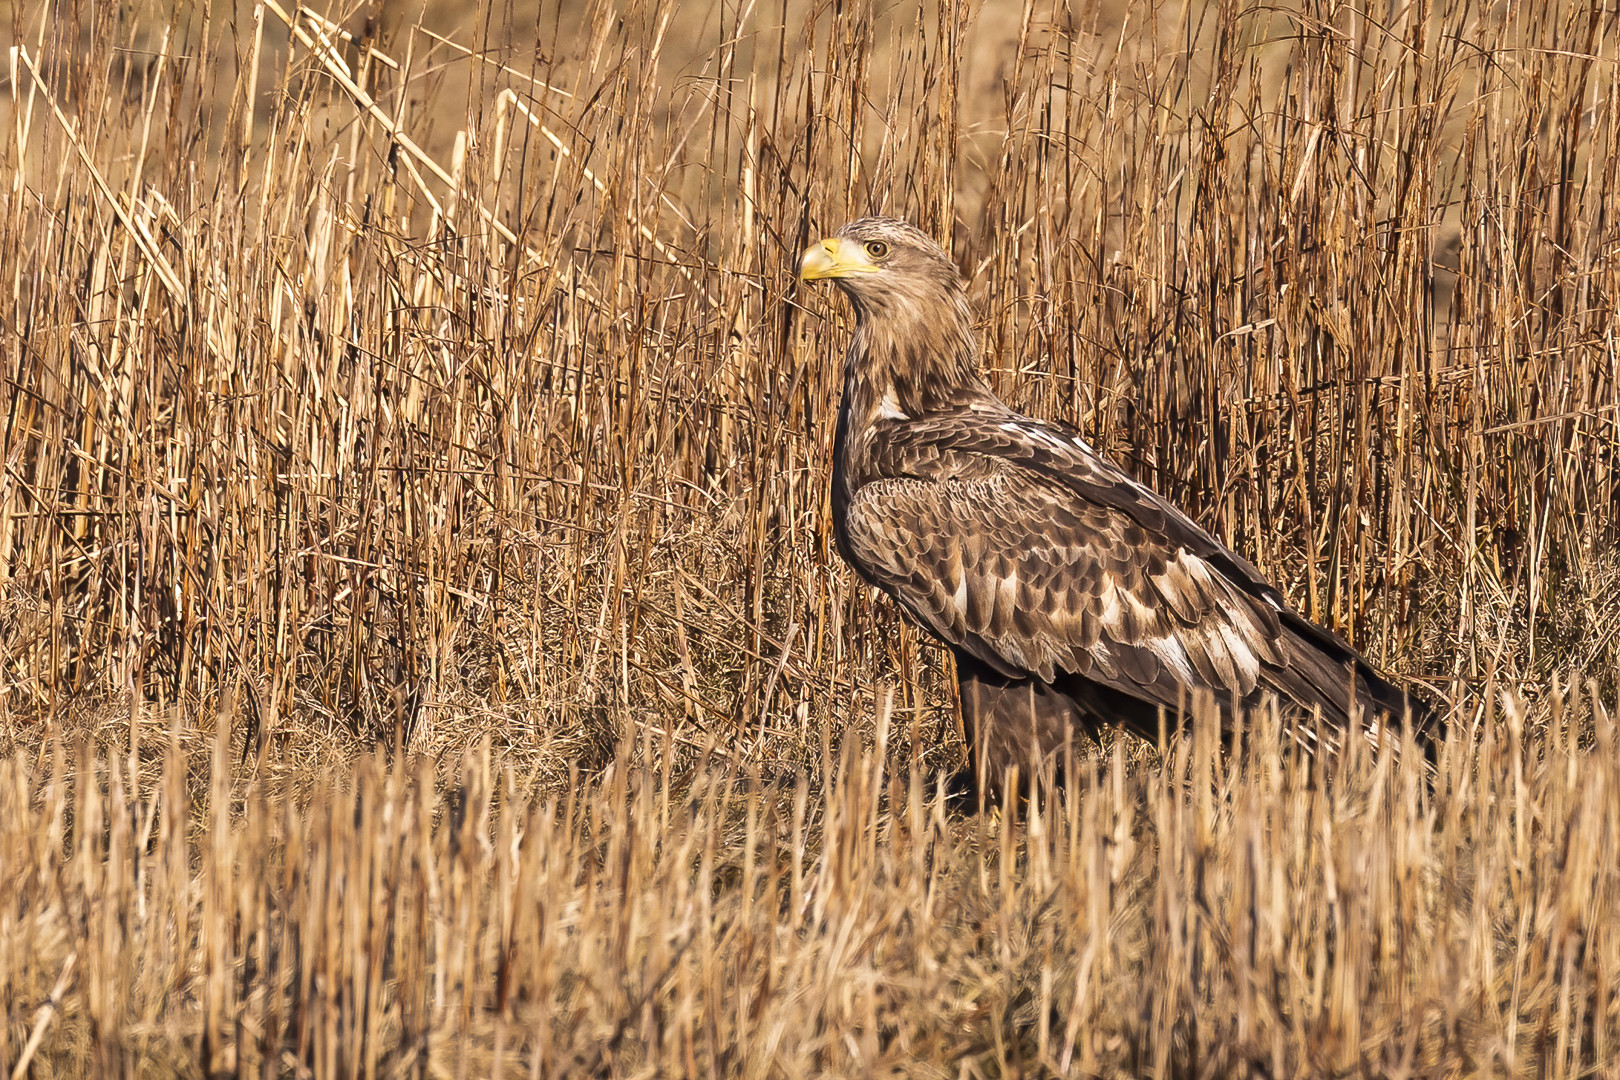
(368, 391)
(1217, 917)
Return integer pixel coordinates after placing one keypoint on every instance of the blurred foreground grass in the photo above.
(1223, 916)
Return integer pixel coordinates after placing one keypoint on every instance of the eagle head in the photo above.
(881, 264)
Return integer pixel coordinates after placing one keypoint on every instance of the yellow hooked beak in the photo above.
(835, 258)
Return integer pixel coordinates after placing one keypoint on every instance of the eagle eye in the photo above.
(877, 249)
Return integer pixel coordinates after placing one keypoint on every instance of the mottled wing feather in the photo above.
(1022, 572)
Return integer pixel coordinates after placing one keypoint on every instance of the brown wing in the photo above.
(1029, 578)
(1016, 543)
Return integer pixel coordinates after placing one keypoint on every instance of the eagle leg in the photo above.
(1027, 723)
(1009, 722)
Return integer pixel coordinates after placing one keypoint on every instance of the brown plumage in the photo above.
(1071, 595)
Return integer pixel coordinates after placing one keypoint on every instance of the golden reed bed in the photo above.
(421, 643)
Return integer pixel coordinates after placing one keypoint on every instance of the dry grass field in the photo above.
(422, 648)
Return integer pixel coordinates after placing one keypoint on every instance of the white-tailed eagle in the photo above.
(1071, 595)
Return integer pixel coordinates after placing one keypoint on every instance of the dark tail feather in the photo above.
(1319, 673)
(1026, 723)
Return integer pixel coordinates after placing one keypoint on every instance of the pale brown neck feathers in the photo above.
(912, 357)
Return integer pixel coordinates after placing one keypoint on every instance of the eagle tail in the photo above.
(1320, 671)
(1026, 723)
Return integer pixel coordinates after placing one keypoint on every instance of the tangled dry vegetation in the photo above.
(421, 646)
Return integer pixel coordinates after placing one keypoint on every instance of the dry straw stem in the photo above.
(446, 430)
(1225, 915)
